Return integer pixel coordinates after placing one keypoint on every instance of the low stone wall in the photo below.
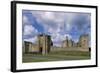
(69, 49)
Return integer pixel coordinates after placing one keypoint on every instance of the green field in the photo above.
(56, 56)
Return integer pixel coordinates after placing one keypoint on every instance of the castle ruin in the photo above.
(44, 44)
(83, 42)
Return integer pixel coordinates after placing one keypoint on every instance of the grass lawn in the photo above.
(56, 56)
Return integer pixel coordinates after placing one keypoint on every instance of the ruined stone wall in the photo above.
(43, 45)
(30, 47)
(34, 48)
(54, 49)
(70, 43)
(27, 46)
(84, 41)
(65, 43)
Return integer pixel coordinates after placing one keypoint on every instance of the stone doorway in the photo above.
(40, 49)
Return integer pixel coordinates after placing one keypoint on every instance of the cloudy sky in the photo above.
(57, 24)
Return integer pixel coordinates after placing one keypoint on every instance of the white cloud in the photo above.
(48, 16)
(33, 39)
(57, 37)
(55, 23)
(29, 30)
(50, 19)
(43, 16)
(56, 20)
(68, 27)
(25, 20)
(76, 40)
(69, 36)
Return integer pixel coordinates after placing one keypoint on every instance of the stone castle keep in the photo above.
(44, 44)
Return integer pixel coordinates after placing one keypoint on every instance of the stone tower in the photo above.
(27, 46)
(44, 43)
(84, 41)
(65, 43)
(70, 43)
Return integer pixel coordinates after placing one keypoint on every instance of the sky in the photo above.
(58, 25)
